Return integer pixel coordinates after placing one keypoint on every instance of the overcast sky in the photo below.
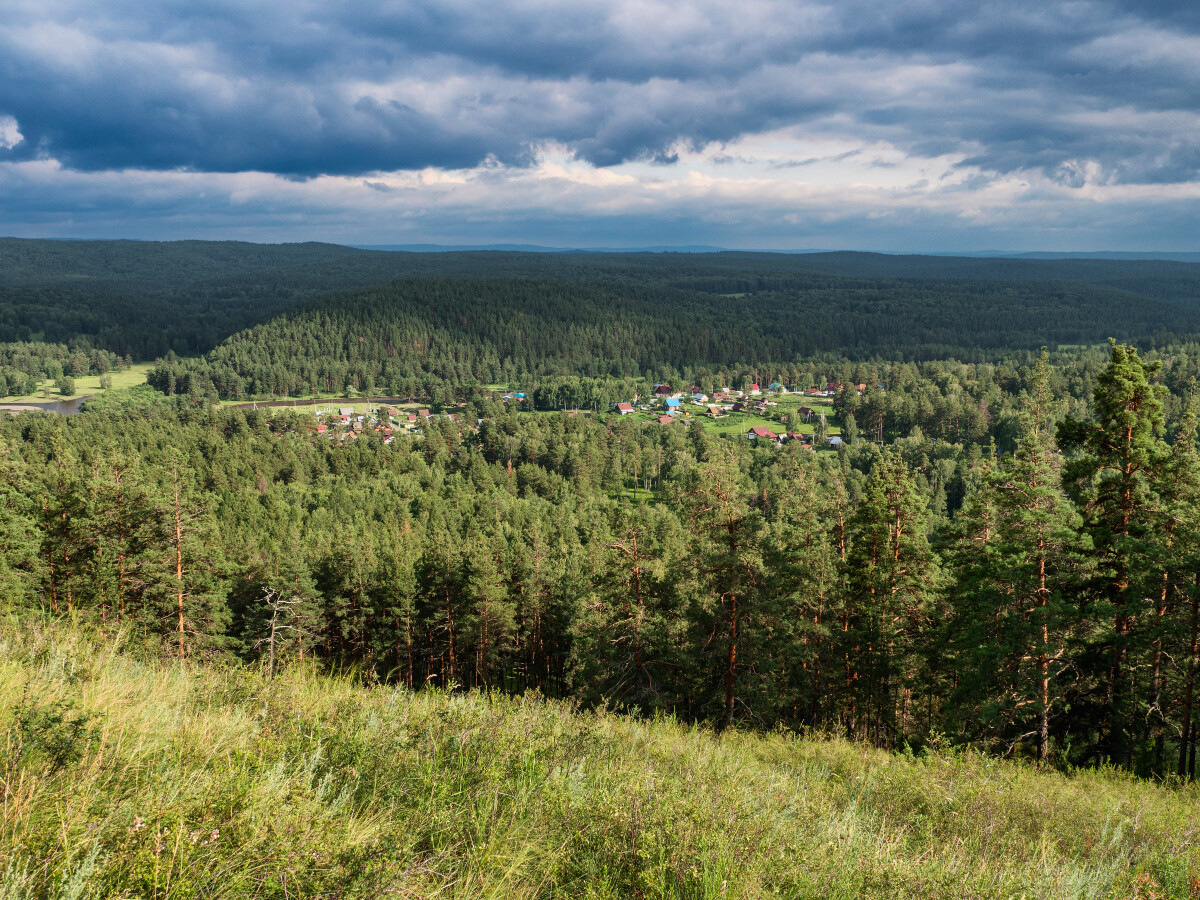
(899, 125)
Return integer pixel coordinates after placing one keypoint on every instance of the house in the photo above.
(393, 412)
(663, 390)
(665, 420)
(715, 411)
(860, 387)
(795, 436)
(755, 389)
(738, 407)
(807, 412)
(760, 432)
(424, 412)
(624, 408)
(760, 406)
(672, 404)
(320, 429)
(834, 441)
(346, 411)
(774, 386)
(700, 397)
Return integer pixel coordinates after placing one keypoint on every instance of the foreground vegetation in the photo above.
(1042, 602)
(130, 777)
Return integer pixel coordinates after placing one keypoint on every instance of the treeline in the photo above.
(1041, 602)
(438, 338)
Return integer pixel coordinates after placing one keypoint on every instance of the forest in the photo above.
(1011, 561)
(439, 338)
(1003, 552)
(144, 301)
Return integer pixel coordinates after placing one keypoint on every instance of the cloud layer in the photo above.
(946, 112)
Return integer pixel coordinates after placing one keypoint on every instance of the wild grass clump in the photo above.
(127, 778)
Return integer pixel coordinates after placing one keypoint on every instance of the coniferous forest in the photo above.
(1003, 552)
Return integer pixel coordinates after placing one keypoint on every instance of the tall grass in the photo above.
(127, 778)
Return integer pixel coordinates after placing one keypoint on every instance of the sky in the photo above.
(902, 125)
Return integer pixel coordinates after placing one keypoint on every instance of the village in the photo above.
(774, 415)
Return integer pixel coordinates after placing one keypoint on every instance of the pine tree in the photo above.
(890, 576)
(802, 556)
(20, 537)
(1178, 611)
(186, 590)
(627, 635)
(1111, 476)
(1019, 563)
(730, 569)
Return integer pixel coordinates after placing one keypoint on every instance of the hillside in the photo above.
(133, 778)
(426, 337)
(143, 299)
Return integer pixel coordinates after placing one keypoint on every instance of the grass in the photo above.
(214, 781)
(87, 385)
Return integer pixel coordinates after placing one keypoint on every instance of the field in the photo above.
(740, 423)
(87, 385)
(130, 777)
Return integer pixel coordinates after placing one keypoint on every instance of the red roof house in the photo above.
(760, 431)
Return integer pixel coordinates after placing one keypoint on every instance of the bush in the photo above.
(54, 734)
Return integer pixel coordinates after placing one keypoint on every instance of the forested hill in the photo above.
(426, 337)
(143, 299)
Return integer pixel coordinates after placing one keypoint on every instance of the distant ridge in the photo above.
(536, 248)
(1166, 256)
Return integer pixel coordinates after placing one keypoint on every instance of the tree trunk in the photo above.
(731, 667)
(1187, 733)
(178, 558)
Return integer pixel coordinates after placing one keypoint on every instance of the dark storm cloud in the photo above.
(301, 89)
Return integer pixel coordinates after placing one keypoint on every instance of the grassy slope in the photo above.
(216, 782)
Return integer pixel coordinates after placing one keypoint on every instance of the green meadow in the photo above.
(86, 385)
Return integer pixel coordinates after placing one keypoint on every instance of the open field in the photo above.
(87, 385)
(128, 777)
